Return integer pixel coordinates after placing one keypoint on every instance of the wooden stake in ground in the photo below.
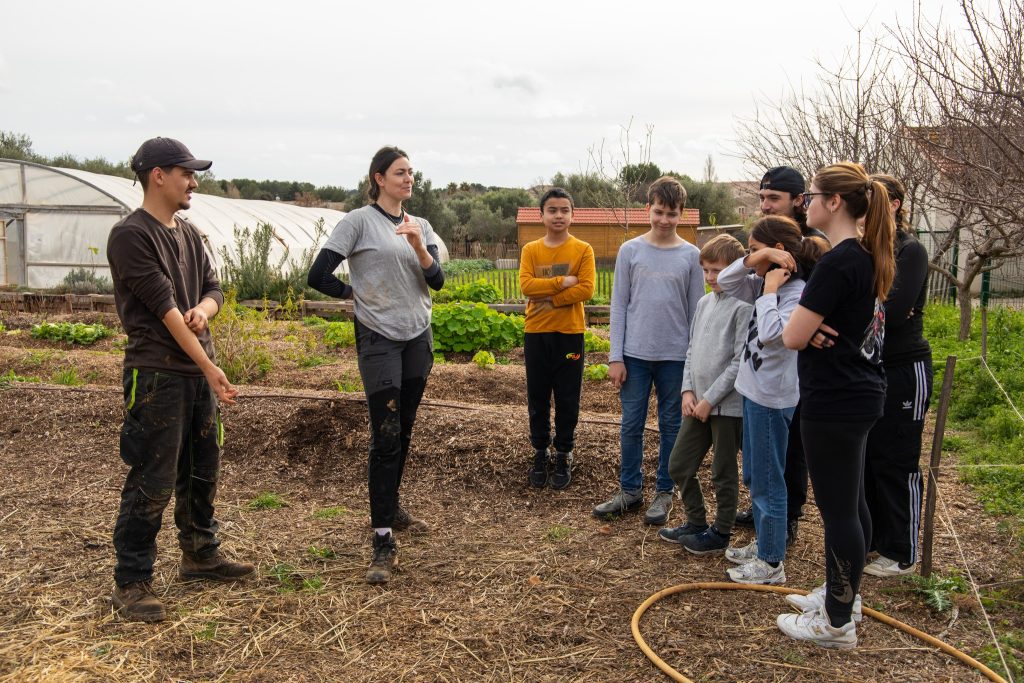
(933, 467)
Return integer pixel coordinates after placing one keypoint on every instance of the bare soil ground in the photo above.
(513, 584)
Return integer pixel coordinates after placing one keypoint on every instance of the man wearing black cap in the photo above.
(165, 290)
(782, 194)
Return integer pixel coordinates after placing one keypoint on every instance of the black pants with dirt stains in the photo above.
(171, 440)
(394, 375)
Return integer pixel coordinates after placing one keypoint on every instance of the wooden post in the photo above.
(984, 333)
(933, 467)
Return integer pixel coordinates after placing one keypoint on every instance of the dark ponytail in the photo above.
(774, 229)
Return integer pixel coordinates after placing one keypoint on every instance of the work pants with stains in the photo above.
(394, 375)
(171, 439)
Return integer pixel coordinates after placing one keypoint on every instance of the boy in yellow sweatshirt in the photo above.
(556, 273)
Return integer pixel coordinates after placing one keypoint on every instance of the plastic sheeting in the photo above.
(56, 217)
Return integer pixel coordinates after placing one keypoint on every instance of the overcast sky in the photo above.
(497, 93)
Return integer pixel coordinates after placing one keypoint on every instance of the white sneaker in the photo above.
(815, 627)
(816, 599)
(742, 555)
(883, 566)
(758, 571)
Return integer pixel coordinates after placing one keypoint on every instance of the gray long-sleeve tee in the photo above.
(767, 373)
(654, 299)
(717, 338)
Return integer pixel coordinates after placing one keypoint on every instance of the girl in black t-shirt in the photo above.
(839, 328)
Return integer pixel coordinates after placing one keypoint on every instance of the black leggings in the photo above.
(835, 461)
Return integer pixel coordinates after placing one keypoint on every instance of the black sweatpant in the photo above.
(394, 375)
(796, 471)
(892, 473)
(835, 461)
(554, 365)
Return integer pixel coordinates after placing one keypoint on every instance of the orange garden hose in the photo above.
(718, 585)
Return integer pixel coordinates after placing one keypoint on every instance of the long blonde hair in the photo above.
(865, 198)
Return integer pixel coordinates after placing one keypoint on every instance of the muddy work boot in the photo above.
(136, 602)
(404, 521)
(385, 558)
(216, 567)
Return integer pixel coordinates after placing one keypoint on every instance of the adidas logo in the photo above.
(907, 405)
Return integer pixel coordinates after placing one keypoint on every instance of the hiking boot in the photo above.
(742, 555)
(884, 567)
(658, 512)
(539, 471)
(563, 470)
(618, 505)
(816, 628)
(676, 534)
(404, 521)
(791, 529)
(745, 518)
(816, 599)
(385, 558)
(708, 542)
(757, 571)
(136, 602)
(216, 567)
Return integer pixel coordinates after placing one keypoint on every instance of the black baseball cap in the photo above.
(166, 152)
(783, 179)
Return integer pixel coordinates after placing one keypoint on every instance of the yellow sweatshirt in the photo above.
(541, 272)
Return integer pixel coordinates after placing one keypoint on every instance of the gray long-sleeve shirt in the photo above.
(717, 338)
(654, 299)
(767, 373)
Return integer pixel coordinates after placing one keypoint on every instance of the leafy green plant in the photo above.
(242, 338)
(349, 385)
(598, 300)
(595, 373)
(314, 321)
(2, 328)
(10, 377)
(592, 342)
(74, 333)
(558, 532)
(67, 376)
(331, 512)
(254, 273)
(474, 326)
(267, 500)
(479, 290)
(339, 334)
(321, 553)
(439, 358)
(84, 281)
(484, 359)
(208, 631)
(938, 590)
(460, 266)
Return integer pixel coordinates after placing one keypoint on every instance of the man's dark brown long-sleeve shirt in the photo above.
(154, 269)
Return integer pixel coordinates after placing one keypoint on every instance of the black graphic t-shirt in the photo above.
(845, 382)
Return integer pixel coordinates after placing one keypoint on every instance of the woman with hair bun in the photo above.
(839, 328)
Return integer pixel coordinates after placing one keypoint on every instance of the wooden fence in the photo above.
(507, 281)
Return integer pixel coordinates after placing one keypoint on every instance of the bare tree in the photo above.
(623, 187)
(968, 119)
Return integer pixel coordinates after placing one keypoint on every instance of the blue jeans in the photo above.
(765, 439)
(667, 378)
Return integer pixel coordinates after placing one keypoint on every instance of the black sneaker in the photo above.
(745, 518)
(539, 471)
(791, 528)
(385, 558)
(563, 470)
(676, 534)
(708, 542)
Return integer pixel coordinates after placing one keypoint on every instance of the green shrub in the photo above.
(439, 358)
(339, 334)
(595, 373)
(474, 265)
(68, 377)
(591, 342)
(480, 290)
(484, 359)
(248, 268)
(84, 281)
(598, 300)
(74, 333)
(474, 326)
(314, 321)
(241, 337)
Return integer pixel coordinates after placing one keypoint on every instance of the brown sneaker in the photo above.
(136, 602)
(385, 558)
(405, 522)
(216, 567)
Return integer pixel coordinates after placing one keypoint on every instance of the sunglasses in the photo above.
(809, 197)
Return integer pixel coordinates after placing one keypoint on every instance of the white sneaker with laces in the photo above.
(758, 571)
(884, 567)
(742, 555)
(816, 628)
(816, 599)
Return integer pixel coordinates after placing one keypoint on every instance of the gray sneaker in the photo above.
(658, 512)
(619, 504)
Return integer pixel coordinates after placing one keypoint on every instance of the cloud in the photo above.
(521, 82)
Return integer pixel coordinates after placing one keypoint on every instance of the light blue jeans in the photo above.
(765, 438)
(666, 376)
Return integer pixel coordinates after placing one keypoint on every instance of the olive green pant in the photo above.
(725, 434)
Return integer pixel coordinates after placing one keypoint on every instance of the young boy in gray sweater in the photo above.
(712, 410)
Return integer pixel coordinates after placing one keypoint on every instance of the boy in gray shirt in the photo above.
(658, 283)
(712, 410)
